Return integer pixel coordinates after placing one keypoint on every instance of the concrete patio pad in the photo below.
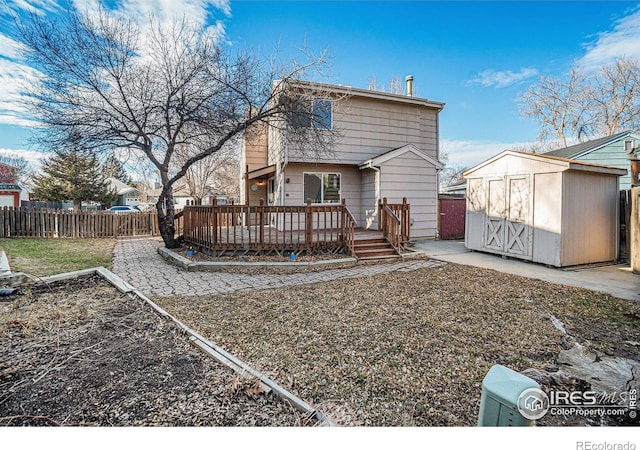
(616, 280)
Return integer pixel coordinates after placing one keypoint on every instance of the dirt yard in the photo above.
(81, 353)
(409, 349)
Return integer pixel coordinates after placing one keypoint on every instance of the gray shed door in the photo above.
(507, 227)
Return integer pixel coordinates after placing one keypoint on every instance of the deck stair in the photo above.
(373, 248)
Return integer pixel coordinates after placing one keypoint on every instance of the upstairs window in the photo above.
(317, 114)
(322, 117)
(322, 187)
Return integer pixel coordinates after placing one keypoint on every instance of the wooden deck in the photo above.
(264, 229)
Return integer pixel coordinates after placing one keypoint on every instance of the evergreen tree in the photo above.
(72, 175)
(113, 167)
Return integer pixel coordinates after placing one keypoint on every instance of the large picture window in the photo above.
(322, 187)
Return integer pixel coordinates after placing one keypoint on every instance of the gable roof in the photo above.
(120, 187)
(562, 163)
(574, 151)
(409, 148)
(366, 93)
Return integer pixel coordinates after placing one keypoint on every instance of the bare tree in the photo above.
(581, 106)
(617, 96)
(23, 169)
(218, 171)
(395, 85)
(106, 85)
(562, 108)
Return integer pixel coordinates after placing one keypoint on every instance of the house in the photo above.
(9, 190)
(615, 151)
(386, 147)
(127, 195)
(455, 188)
(544, 209)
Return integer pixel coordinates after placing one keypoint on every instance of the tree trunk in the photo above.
(165, 219)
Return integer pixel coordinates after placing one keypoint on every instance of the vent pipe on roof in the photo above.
(409, 80)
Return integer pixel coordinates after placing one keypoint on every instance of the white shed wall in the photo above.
(589, 218)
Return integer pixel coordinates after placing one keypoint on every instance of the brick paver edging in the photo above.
(138, 263)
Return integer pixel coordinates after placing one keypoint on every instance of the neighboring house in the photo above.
(387, 148)
(609, 150)
(127, 195)
(182, 197)
(9, 190)
(457, 188)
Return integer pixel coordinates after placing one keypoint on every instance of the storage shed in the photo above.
(544, 209)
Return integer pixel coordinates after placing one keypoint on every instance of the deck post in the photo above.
(343, 218)
(214, 219)
(405, 220)
(308, 225)
(383, 216)
(261, 222)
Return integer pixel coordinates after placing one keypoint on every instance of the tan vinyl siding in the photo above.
(255, 147)
(369, 127)
(350, 179)
(412, 177)
(591, 238)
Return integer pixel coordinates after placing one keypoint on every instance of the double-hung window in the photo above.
(315, 114)
(322, 187)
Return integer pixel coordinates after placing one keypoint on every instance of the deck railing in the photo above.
(395, 222)
(265, 229)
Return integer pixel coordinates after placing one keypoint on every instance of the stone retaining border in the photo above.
(212, 266)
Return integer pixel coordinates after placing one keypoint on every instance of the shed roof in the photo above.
(386, 156)
(576, 150)
(562, 164)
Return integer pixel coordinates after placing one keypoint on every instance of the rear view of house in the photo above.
(385, 146)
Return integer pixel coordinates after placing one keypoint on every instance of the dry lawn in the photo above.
(407, 348)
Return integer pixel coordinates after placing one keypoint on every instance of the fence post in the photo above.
(308, 225)
(383, 216)
(634, 257)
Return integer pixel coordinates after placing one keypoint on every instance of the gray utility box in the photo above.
(501, 389)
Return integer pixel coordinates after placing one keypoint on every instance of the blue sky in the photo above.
(477, 57)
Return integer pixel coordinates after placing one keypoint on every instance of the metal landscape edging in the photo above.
(195, 338)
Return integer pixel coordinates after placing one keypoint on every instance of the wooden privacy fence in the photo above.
(57, 223)
(395, 222)
(265, 229)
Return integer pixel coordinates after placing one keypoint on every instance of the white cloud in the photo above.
(622, 40)
(34, 6)
(14, 74)
(30, 155)
(468, 153)
(503, 78)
